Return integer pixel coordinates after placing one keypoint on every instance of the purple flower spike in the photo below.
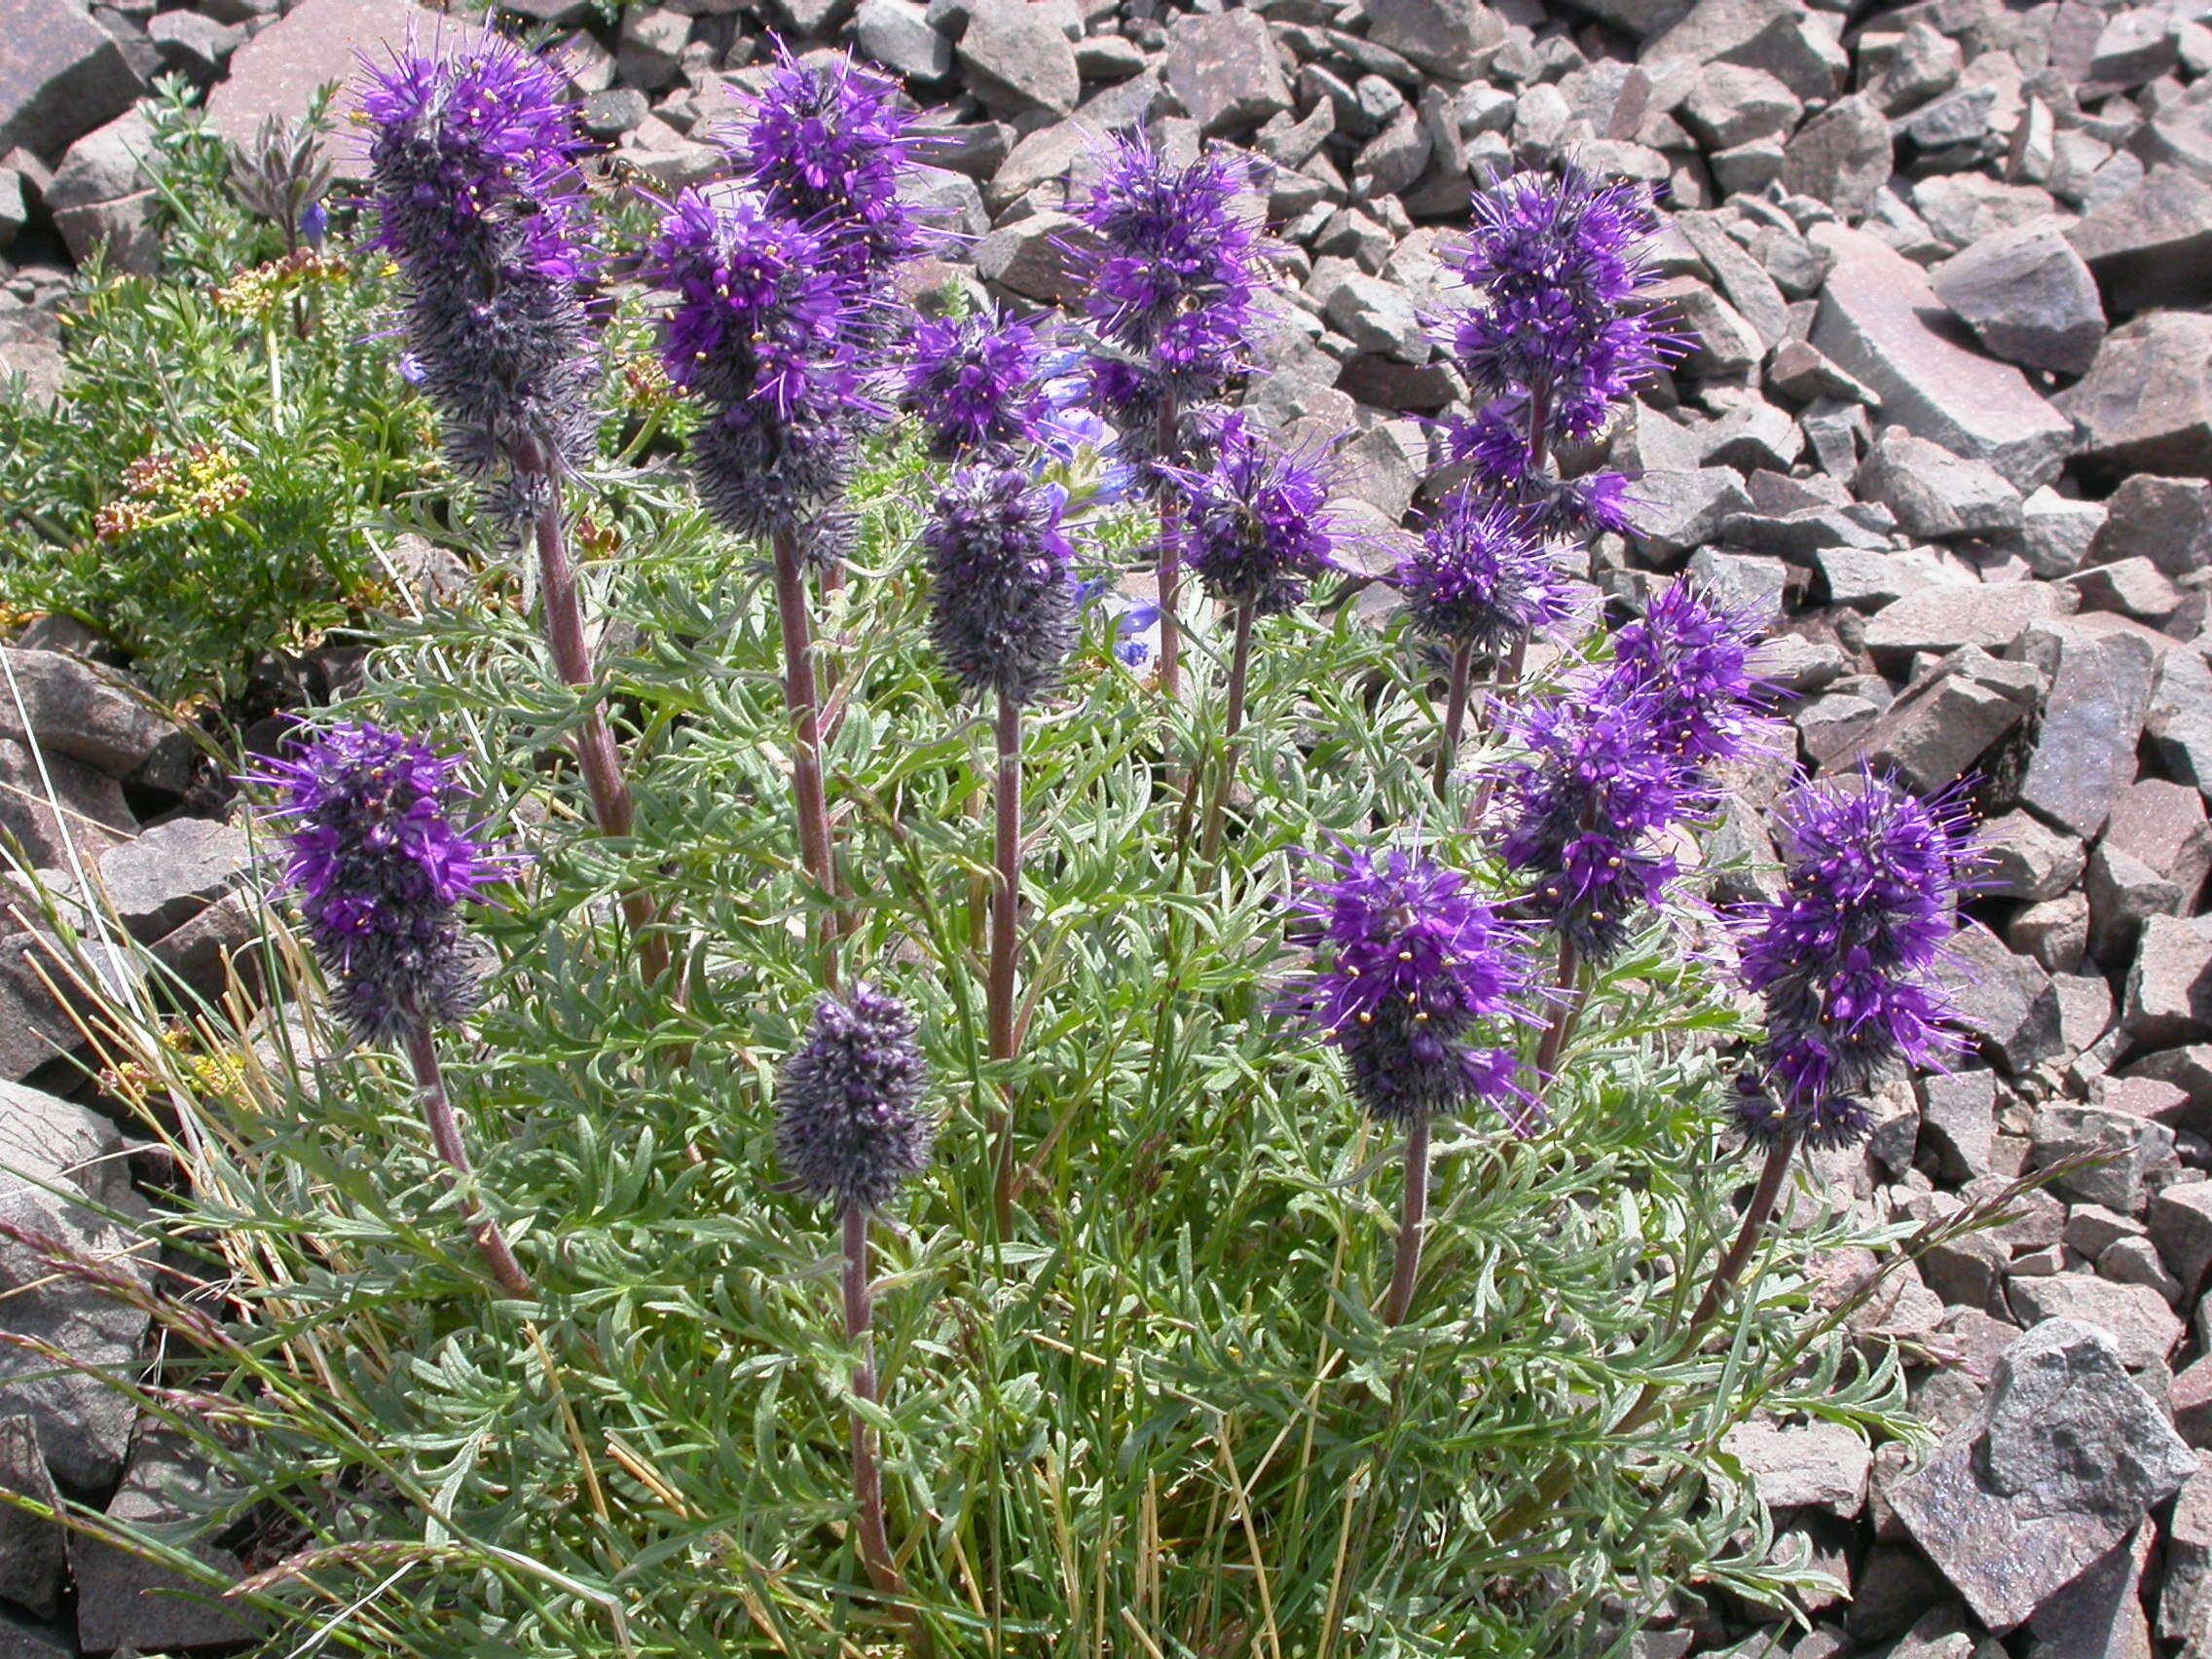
(975, 381)
(1560, 268)
(478, 199)
(1846, 958)
(826, 144)
(762, 329)
(381, 866)
(1694, 656)
(1255, 523)
(849, 1118)
(1481, 577)
(1414, 964)
(1002, 594)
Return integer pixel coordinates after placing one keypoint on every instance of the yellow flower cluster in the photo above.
(254, 291)
(171, 486)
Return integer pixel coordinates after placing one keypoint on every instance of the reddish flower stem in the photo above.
(445, 1136)
(1413, 1219)
(867, 1478)
(1239, 672)
(1170, 560)
(1006, 921)
(803, 701)
(1454, 711)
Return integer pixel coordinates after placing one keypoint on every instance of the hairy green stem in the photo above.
(1563, 1013)
(1454, 711)
(1005, 920)
(1413, 1219)
(445, 1136)
(868, 1479)
(1170, 559)
(803, 701)
(1233, 723)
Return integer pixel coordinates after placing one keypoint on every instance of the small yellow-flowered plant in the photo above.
(255, 291)
(195, 483)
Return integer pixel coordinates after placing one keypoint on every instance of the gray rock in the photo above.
(1452, 38)
(160, 881)
(2179, 722)
(2100, 1614)
(615, 111)
(2150, 244)
(897, 34)
(2055, 932)
(2128, 1149)
(2127, 587)
(1675, 511)
(2099, 672)
(1748, 584)
(1962, 117)
(2057, 534)
(1725, 344)
(1378, 316)
(315, 43)
(1745, 285)
(195, 46)
(33, 1551)
(2162, 825)
(1790, 43)
(1031, 258)
(126, 1602)
(2005, 1003)
(1822, 1466)
(2064, 1460)
(1732, 105)
(2146, 403)
(1873, 323)
(1394, 157)
(1842, 155)
(61, 75)
(2181, 1227)
(2028, 297)
(1943, 618)
(1923, 64)
(1940, 727)
(1224, 69)
(47, 1148)
(2143, 1328)
(1963, 209)
(81, 713)
(2125, 893)
(2169, 989)
(1958, 1122)
(1934, 492)
(2134, 47)
(1016, 60)
(60, 811)
(23, 1640)
(2167, 520)
(2027, 859)
(2184, 1597)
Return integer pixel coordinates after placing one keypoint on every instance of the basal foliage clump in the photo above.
(893, 915)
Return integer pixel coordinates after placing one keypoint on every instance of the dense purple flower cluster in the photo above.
(765, 331)
(976, 384)
(1414, 965)
(1482, 576)
(1002, 584)
(1558, 267)
(849, 1117)
(1494, 449)
(478, 199)
(824, 145)
(381, 866)
(1845, 958)
(1172, 270)
(1255, 523)
(1695, 657)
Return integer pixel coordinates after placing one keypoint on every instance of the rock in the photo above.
(1795, 47)
(2028, 297)
(1031, 258)
(61, 810)
(1921, 65)
(1725, 344)
(1842, 156)
(2057, 534)
(33, 1553)
(1393, 158)
(315, 43)
(2005, 1001)
(2063, 1461)
(2179, 724)
(126, 1602)
(61, 75)
(897, 34)
(1958, 1120)
(2143, 1328)
(2028, 860)
(1963, 209)
(158, 882)
(2100, 1614)
(2150, 244)
(2181, 1227)
(21, 1639)
(1450, 38)
(195, 46)
(1801, 373)
(2167, 520)
(83, 1424)
(1873, 323)
(2169, 989)
(2162, 825)
(1934, 492)
(1224, 69)
(1962, 117)
(2125, 893)
(1732, 105)
(2185, 1598)
(2127, 587)
(1821, 1465)
(2145, 402)
(1378, 316)
(2093, 717)
(1941, 727)
(2055, 932)
(1747, 286)
(1675, 511)
(1016, 60)
(2127, 1147)
(1941, 619)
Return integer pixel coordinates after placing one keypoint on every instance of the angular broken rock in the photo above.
(2099, 670)
(60, 76)
(80, 712)
(2028, 297)
(1017, 60)
(168, 875)
(1789, 41)
(2063, 1461)
(1934, 492)
(1822, 1466)
(1941, 727)
(2167, 520)
(2169, 989)
(2146, 403)
(316, 42)
(2005, 1001)
(2151, 246)
(1842, 155)
(1880, 321)
(124, 1601)
(33, 1558)
(1446, 37)
(1942, 619)
(2143, 1328)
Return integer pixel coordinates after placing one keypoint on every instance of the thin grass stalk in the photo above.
(596, 757)
(1413, 1221)
(1006, 917)
(445, 1135)
(803, 701)
(1454, 711)
(1233, 723)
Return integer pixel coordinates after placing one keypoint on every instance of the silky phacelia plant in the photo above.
(1481, 577)
(1847, 958)
(382, 867)
(826, 144)
(763, 329)
(472, 165)
(1411, 967)
(849, 1117)
(1559, 330)
(976, 384)
(1255, 523)
(1002, 584)
(1694, 656)
(1172, 268)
